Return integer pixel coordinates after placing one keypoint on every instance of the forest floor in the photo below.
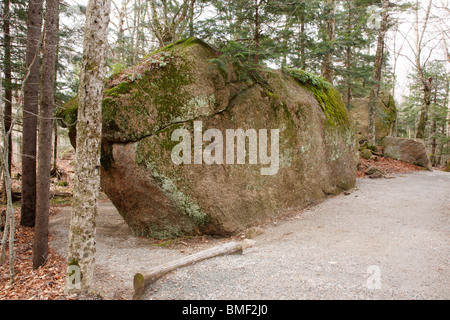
(394, 231)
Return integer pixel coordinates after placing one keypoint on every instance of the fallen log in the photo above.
(142, 281)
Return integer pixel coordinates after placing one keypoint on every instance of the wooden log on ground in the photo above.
(142, 281)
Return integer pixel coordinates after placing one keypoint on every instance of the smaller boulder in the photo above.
(376, 175)
(366, 154)
(371, 170)
(409, 150)
(253, 232)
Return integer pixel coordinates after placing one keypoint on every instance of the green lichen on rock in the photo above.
(179, 84)
(154, 154)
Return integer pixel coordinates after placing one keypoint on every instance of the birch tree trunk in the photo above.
(373, 98)
(87, 160)
(40, 248)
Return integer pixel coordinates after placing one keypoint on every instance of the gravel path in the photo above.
(388, 239)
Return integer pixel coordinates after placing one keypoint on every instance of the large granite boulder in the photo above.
(386, 115)
(409, 150)
(165, 122)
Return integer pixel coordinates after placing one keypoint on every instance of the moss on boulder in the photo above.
(178, 85)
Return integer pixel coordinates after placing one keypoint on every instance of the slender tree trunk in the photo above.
(427, 86)
(434, 145)
(89, 130)
(30, 110)
(55, 148)
(373, 98)
(348, 95)
(427, 83)
(348, 55)
(55, 124)
(327, 63)
(136, 31)
(191, 18)
(256, 34)
(40, 248)
(302, 42)
(8, 82)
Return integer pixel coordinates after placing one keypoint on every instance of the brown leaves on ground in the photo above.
(44, 283)
(387, 166)
(48, 281)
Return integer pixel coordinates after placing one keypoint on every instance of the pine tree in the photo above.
(353, 36)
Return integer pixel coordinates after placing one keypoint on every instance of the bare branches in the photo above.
(166, 25)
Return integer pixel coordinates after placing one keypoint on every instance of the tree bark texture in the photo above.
(327, 63)
(426, 102)
(89, 129)
(377, 69)
(40, 248)
(30, 110)
(8, 83)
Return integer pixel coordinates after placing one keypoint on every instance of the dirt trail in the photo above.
(388, 239)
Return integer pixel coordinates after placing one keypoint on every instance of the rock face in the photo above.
(385, 118)
(408, 150)
(180, 90)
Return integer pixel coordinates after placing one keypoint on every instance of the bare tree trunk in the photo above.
(9, 227)
(327, 63)
(257, 34)
(426, 101)
(434, 145)
(373, 98)
(55, 124)
(136, 32)
(8, 76)
(40, 247)
(30, 110)
(191, 18)
(89, 130)
(348, 56)
(55, 148)
(302, 42)
(165, 27)
(427, 83)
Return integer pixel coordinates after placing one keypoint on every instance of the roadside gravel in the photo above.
(387, 239)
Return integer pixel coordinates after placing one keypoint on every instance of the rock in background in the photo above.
(409, 150)
(385, 117)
